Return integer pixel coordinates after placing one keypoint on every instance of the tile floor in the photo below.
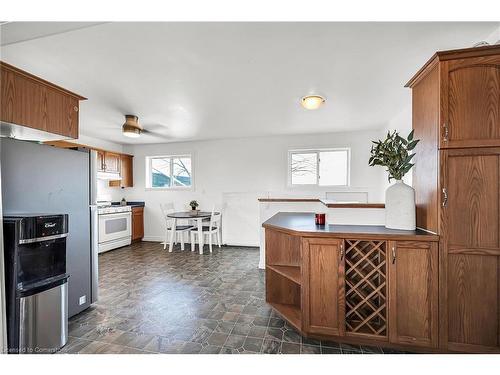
(152, 301)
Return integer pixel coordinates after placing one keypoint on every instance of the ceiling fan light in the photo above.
(131, 128)
(312, 102)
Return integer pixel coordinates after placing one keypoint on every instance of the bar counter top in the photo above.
(302, 223)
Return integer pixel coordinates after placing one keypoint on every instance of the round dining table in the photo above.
(199, 216)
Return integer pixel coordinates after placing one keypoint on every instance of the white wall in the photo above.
(236, 172)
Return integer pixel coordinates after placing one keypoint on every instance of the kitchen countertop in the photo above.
(303, 223)
(132, 204)
(327, 202)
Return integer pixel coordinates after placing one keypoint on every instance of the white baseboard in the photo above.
(160, 239)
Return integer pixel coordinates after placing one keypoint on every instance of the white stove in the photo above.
(115, 223)
(108, 208)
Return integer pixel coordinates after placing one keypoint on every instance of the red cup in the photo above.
(320, 219)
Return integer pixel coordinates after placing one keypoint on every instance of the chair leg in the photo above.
(210, 235)
(166, 239)
(181, 234)
(192, 241)
(218, 237)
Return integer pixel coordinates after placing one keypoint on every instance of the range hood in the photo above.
(24, 133)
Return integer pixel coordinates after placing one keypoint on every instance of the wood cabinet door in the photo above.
(323, 289)
(137, 223)
(126, 172)
(37, 104)
(111, 162)
(100, 161)
(413, 293)
(470, 262)
(471, 102)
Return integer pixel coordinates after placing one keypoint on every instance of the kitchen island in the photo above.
(361, 284)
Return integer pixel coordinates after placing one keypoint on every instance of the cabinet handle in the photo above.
(393, 255)
(445, 197)
(75, 108)
(341, 251)
(445, 132)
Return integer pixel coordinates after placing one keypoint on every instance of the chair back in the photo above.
(215, 218)
(167, 208)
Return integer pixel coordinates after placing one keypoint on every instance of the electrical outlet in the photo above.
(82, 300)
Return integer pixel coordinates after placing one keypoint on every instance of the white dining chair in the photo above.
(171, 225)
(213, 228)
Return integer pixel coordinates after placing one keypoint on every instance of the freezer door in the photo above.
(43, 321)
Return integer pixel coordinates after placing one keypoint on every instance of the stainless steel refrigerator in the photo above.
(40, 178)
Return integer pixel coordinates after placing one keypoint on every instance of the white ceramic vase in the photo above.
(400, 206)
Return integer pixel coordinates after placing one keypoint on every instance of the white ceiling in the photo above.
(191, 81)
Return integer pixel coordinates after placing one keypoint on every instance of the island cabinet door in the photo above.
(323, 304)
(413, 293)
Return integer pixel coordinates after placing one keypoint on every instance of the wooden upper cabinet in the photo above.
(413, 293)
(463, 106)
(471, 249)
(111, 162)
(126, 172)
(30, 101)
(323, 287)
(471, 102)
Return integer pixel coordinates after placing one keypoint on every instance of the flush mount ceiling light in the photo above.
(312, 101)
(131, 128)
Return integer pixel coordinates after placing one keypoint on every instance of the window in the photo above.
(166, 172)
(319, 167)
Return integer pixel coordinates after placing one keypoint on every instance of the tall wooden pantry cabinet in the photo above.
(456, 115)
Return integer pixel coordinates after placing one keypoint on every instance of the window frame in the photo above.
(149, 169)
(317, 151)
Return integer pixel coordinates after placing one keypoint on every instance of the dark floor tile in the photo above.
(190, 348)
(234, 341)
(245, 319)
(392, 351)
(256, 331)
(310, 349)
(292, 336)
(224, 327)
(271, 346)
(260, 321)
(350, 347)
(217, 339)
(329, 350)
(250, 310)
(241, 329)
(330, 344)
(253, 344)
(274, 334)
(371, 349)
(133, 340)
(226, 350)
(290, 348)
(310, 341)
(210, 349)
(276, 322)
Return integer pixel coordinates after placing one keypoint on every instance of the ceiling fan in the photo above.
(132, 129)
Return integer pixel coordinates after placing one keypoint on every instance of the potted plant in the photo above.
(394, 154)
(194, 206)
